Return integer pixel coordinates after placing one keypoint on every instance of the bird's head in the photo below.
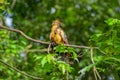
(57, 22)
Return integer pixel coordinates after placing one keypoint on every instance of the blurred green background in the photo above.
(83, 20)
(81, 17)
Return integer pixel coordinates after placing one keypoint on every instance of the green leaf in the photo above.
(50, 58)
(74, 55)
(62, 68)
(44, 61)
(112, 21)
(13, 46)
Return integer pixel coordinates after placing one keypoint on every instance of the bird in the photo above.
(57, 35)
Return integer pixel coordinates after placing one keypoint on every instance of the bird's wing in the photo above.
(64, 37)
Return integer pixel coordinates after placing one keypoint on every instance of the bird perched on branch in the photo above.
(57, 35)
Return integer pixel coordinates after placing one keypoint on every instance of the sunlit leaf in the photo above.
(44, 61)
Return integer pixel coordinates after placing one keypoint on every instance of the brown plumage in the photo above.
(57, 35)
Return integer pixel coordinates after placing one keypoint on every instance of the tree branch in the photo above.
(96, 73)
(21, 72)
(42, 42)
(38, 41)
(75, 46)
(23, 34)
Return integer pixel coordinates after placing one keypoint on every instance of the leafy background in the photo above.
(92, 23)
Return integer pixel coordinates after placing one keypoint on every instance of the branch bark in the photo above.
(21, 72)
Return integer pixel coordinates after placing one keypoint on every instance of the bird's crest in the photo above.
(57, 22)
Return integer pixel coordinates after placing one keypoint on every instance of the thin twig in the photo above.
(101, 51)
(94, 71)
(96, 74)
(13, 4)
(11, 67)
(30, 50)
(37, 50)
(75, 46)
(27, 47)
(91, 50)
(49, 48)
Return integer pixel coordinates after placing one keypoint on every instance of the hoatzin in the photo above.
(57, 35)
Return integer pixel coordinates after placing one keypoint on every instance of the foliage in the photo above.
(109, 43)
(90, 23)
